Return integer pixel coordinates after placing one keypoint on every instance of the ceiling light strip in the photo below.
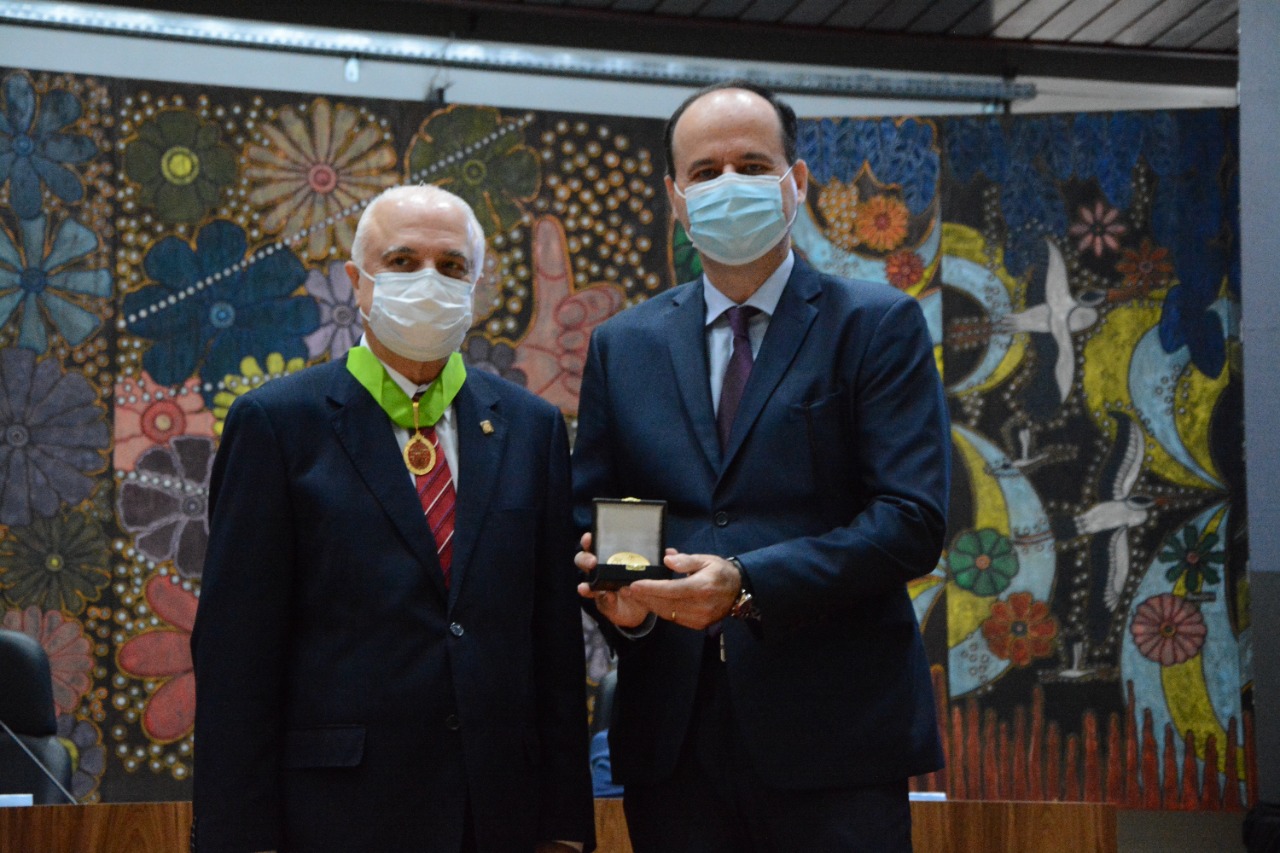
(453, 54)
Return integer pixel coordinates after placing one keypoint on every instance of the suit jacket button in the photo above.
(721, 519)
(455, 629)
(452, 723)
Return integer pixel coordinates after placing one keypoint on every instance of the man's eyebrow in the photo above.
(458, 255)
(397, 250)
(749, 156)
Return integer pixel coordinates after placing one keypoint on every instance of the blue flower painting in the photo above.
(44, 281)
(53, 434)
(212, 307)
(34, 148)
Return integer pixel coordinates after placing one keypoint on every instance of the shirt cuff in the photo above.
(641, 630)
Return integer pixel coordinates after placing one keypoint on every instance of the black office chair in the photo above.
(26, 708)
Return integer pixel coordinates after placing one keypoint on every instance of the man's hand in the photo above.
(704, 596)
(618, 607)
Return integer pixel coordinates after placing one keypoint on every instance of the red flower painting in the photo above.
(1020, 629)
(165, 653)
(1168, 629)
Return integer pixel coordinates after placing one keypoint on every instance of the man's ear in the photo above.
(353, 273)
(676, 203)
(800, 174)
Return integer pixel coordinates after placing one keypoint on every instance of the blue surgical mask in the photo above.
(735, 219)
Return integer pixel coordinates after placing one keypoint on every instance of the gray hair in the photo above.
(425, 193)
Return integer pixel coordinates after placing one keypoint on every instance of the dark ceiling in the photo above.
(1190, 42)
(1164, 24)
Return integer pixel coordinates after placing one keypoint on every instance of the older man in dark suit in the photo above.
(775, 696)
(388, 647)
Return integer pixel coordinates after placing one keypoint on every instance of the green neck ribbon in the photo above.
(369, 372)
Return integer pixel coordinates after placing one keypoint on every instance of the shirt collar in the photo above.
(408, 386)
(765, 298)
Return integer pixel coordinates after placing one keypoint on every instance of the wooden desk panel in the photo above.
(114, 828)
(967, 826)
(950, 827)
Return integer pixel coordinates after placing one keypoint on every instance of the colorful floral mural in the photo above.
(165, 248)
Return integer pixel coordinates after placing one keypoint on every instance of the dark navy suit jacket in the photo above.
(345, 699)
(832, 492)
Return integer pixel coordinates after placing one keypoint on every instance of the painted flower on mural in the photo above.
(162, 502)
(164, 653)
(212, 306)
(1146, 269)
(1196, 559)
(554, 351)
(1168, 629)
(983, 561)
(180, 165)
(496, 357)
(1020, 629)
(52, 434)
(83, 741)
(473, 153)
(44, 280)
(1098, 229)
(880, 223)
(309, 169)
(55, 563)
(251, 375)
(148, 415)
(34, 148)
(67, 647)
(903, 269)
(838, 204)
(340, 327)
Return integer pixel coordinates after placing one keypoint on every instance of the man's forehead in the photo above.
(723, 103)
(440, 210)
(440, 217)
(730, 111)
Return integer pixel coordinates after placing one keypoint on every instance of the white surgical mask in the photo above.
(735, 219)
(422, 315)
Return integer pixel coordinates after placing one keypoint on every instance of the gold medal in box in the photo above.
(628, 536)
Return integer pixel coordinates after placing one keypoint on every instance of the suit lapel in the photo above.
(787, 330)
(688, 348)
(366, 434)
(479, 458)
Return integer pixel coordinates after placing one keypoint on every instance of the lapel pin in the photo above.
(486, 428)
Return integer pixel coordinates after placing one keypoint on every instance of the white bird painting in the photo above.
(1117, 511)
(1053, 314)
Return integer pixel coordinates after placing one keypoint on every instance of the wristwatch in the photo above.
(744, 607)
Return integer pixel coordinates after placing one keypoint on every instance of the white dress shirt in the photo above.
(720, 336)
(446, 430)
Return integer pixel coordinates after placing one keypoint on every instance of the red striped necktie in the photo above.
(436, 492)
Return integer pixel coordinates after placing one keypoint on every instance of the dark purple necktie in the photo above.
(736, 371)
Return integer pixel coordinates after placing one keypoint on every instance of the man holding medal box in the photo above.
(774, 695)
(388, 646)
